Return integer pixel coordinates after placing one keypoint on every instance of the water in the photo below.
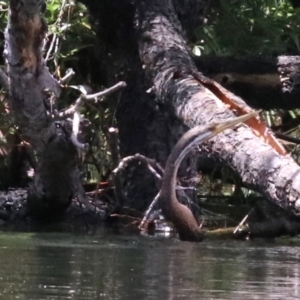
(109, 266)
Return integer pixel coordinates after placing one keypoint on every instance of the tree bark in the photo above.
(29, 79)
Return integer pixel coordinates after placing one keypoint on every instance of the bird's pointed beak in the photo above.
(231, 123)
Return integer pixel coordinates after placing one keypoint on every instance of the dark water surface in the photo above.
(106, 266)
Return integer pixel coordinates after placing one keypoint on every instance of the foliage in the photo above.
(70, 44)
(69, 33)
(251, 27)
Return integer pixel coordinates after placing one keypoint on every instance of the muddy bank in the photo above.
(15, 215)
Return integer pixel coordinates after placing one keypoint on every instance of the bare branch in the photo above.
(79, 102)
(70, 111)
(146, 218)
(78, 145)
(113, 144)
(51, 47)
(69, 75)
(106, 92)
(152, 165)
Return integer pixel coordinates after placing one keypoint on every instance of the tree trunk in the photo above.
(164, 99)
(56, 173)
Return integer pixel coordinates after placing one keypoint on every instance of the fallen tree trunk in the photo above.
(164, 99)
(164, 53)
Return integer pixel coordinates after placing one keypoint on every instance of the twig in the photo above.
(78, 145)
(75, 111)
(106, 92)
(61, 13)
(55, 37)
(113, 144)
(152, 165)
(79, 102)
(134, 219)
(145, 220)
(51, 47)
(242, 222)
(287, 138)
(69, 75)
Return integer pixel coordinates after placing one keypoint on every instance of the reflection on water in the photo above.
(105, 266)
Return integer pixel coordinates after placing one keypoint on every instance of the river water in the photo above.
(111, 266)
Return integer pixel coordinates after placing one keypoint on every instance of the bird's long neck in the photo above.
(179, 214)
(179, 152)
